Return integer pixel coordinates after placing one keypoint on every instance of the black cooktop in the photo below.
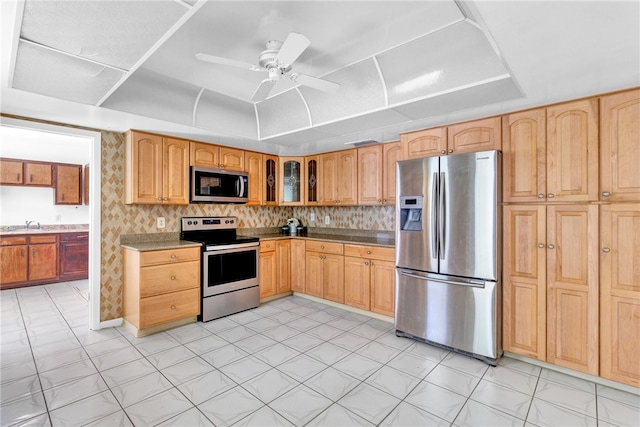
(213, 231)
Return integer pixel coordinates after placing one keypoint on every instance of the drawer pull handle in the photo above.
(173, 307)
(605, 250)
(605, 194)
(173, 277)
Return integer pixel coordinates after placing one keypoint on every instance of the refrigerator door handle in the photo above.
(442, 216)
(471, 284)
(434, 213)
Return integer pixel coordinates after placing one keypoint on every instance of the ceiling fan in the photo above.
(276, 60)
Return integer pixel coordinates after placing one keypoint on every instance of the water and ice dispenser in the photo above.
(411, 213)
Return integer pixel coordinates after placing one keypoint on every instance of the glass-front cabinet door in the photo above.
(292, 181)
(270, 195)
(312, 180)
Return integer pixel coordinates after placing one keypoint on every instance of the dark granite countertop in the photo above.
(379, 239)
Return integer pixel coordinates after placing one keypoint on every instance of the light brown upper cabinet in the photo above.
(391, 154)
(572, 151)
(312, 167)
(68, 184)
(620, 292)
(253, 165)
(11, 172)
(156, 169)
(216, 156)
(292, 180)
(38, 174)
(377, 173)
(424, 143)
(478, 135)
(620, 147)
(338, 174)
(524, 156)
(270, 180)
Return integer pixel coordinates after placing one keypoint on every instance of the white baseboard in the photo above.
(113, 323)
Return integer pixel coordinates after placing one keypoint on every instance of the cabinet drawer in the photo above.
(370, 252)
(162, 279)
(169, 256)
(13, 240)
(269, 245)
(325, 247)
(169, 307)
(65, 237)
(48, 238)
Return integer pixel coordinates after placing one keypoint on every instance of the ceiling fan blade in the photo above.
(292, 48)
(226, 61)
(316, 83)
(263, 90)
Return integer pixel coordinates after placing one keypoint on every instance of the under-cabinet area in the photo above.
(43, 257)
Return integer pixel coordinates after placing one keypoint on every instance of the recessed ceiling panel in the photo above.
(282, 114)
(152, 95)
(226, 115)
(117, 33)
(364, 122)
(452, 57)
(361, 90)
(54, 74)
(294, 143)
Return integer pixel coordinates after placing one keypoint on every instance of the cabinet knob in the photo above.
(379, 200)
(605, 250)
(173, 256)
(159, 199)
(605, 194)
(366, 263)
(173, 307)
(322, 247)
(541, 245)
(450, 150)
(550, 195)
(540, 196)
(384, 200)
(442, 152)
(368, 252)
(550, 246)
(173, 277)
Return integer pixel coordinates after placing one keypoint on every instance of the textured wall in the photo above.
(358, 217)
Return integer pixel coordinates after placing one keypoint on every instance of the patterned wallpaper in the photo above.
(118, 219)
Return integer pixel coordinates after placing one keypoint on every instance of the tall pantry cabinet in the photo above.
(571, 257)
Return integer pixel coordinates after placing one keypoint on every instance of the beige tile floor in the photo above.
(289, 362)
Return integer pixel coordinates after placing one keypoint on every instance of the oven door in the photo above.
(229, 268)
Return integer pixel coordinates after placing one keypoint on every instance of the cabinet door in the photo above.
(292, 181)
(68, 184)
(313, 277)
(270, 180)
(424, 143)
(143, 168)
(253, 165)
(74, 258)
(572, 151)
(312, 165)
(298, 265)
(524, 297)
(391, 153)
(347, 178)
(620, 147)
(524, 156)
(357, 286)
(328, 188)
(478, 135)
(383, 288)
(268, 273)
(333, 277)
(38, 174)
(370, 175)
(175, 173)
(13, 263)
(11, 172)
(43, 261)
(232, 158)
(202, 154)
(620, 293)
(572, 287)
(283, 253)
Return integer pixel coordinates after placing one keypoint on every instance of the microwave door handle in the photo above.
(241, 186)
(434, 217)
(443, 215)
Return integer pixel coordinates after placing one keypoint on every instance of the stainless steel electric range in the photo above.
(229, 265)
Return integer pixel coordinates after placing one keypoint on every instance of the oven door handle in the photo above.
(234, 247)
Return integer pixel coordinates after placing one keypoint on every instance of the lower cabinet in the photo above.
(283, 257)
(325, 270)
(369, 278)
(275, 265)
(74, 256)
(28, 259)
(161, 288)
(298, 249)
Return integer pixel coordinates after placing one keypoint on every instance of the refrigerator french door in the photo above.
(448, 252)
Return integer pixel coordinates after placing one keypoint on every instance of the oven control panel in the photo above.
(209, 223)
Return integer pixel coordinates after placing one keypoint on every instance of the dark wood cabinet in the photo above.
(74, 256)
(68, 184)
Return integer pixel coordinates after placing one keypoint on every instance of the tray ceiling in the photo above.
(400, 65)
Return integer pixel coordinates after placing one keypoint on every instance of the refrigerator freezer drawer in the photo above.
(463, 315)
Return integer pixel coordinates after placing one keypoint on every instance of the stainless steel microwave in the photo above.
(209, 185)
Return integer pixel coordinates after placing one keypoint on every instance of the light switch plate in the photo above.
(312, 216)
(160, 222)
(327, 220)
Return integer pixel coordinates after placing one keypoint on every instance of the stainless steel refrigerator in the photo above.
(448, 252)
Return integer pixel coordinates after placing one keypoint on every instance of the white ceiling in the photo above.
(401, 65)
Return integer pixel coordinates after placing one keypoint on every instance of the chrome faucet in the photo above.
(27, 224)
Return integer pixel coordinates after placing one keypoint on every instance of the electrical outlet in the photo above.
(327, 220)
(312, 216)
(160, 222)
